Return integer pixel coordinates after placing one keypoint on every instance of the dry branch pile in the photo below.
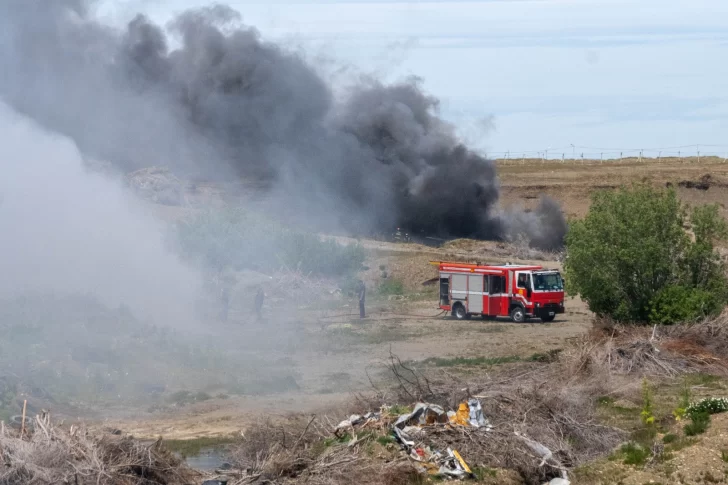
(544, 417)
(51, 454)
(662, 352)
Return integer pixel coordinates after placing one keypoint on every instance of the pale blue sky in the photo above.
(523, 75)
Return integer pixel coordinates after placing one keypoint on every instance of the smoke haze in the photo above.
(227, 103)
(65, 231)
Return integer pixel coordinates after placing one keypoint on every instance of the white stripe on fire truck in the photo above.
(466, 270)
(478, 293)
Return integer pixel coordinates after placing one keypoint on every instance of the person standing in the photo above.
(225, 303)
(361, 292)
(259, 299)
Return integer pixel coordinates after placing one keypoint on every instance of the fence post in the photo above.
(698, 153)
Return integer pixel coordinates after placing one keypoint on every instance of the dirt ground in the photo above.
(334, 358)
(335, 355)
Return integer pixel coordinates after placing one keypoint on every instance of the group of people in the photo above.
(361, 291)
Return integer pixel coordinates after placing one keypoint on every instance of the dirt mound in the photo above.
(703, 183)
(158, 185)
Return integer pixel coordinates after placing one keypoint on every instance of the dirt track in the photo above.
(334, 358)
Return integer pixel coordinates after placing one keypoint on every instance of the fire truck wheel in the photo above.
(459, 312)
(518, 315)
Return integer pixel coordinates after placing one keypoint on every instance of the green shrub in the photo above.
(698, 425)
(631, 258)
(235, 238)
(634, 454)
(677, 303)
(391, 287)
(670, 438)
(648, 419)
(682, 408)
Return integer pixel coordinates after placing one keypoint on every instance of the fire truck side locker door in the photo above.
(510, 289)
(495, 290)
(459, 289)
(475, 293)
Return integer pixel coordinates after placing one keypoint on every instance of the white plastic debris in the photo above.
(559, 481)
(422, 414)
(545, 454)
(477, 419)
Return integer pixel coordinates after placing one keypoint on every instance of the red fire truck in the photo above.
(515, 291)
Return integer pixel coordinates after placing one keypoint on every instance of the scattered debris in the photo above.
(559, 481)
(410, 430)
(356, 420)
(546, 455)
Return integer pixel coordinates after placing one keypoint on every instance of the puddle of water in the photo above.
(208, 459)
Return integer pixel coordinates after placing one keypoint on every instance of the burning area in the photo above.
(209, 97)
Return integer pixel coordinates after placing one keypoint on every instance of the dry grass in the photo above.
(530, 405)
(554, 405)
(54, 455)
(661, 352)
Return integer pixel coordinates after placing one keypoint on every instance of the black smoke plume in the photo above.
(223, 102)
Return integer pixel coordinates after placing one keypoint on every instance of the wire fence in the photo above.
(585, 154)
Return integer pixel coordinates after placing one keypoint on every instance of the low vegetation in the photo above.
(238, 239)
(58, 350)
(641, 256)
(391, 287)
(193, 447)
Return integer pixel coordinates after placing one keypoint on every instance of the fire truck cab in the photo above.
(515, 291)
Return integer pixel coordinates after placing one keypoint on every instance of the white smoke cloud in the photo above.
(65, 230)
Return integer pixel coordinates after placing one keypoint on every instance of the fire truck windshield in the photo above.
(547, 282)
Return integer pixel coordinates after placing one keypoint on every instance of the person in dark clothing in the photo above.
(259, 299)
(361, 292)
(225, 303)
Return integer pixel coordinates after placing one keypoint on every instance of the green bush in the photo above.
(699, 424)
(634, 454)
(677, 303)
(234, 238)
(670, 438)
(632, 259)
(391, 287)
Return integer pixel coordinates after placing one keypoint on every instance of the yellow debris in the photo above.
(462, 462)
(462, 416)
